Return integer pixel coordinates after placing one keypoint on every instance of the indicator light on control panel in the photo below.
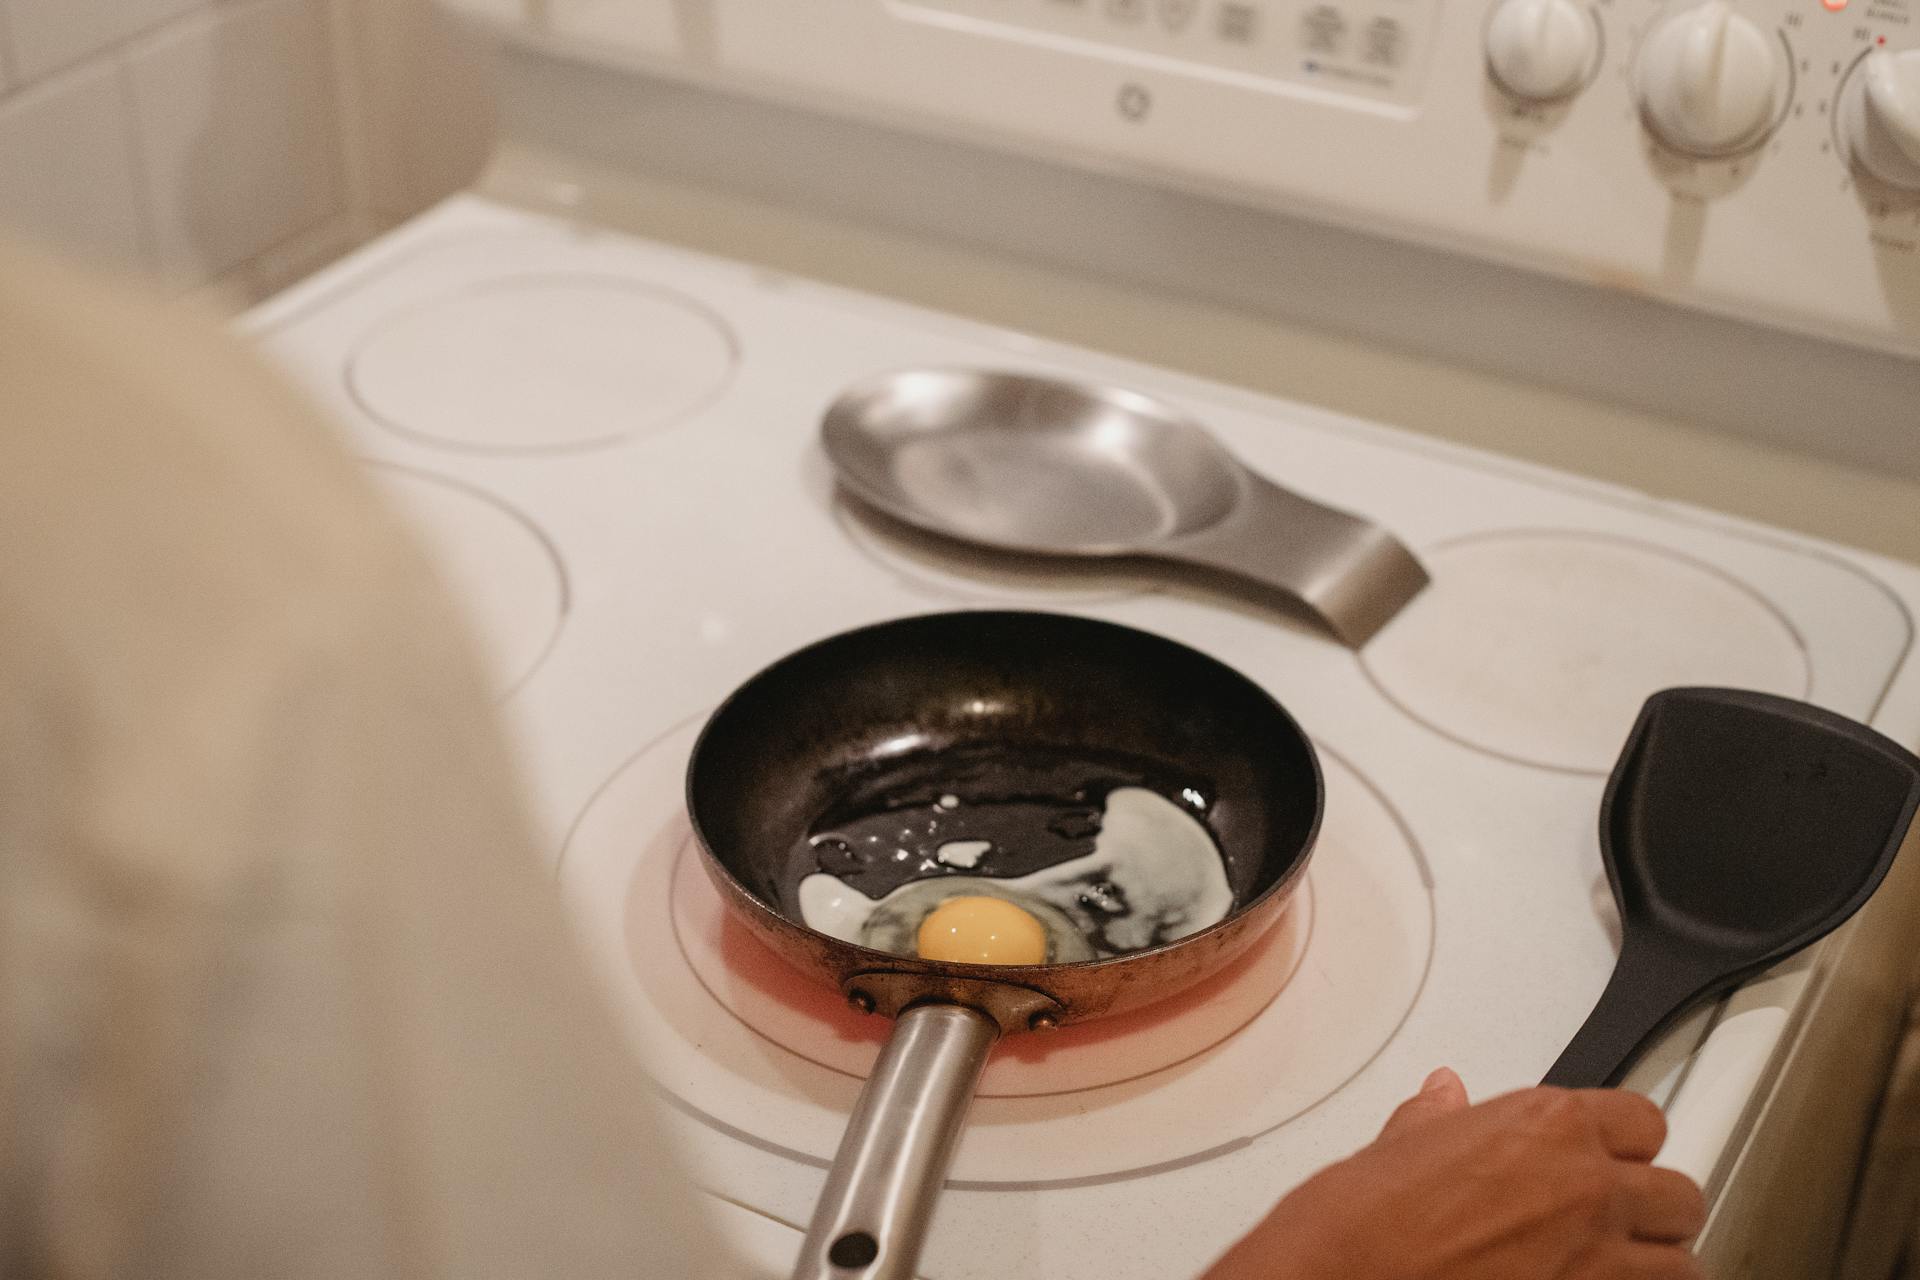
(1833, 6)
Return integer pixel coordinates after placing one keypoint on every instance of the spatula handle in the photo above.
(1649, 991)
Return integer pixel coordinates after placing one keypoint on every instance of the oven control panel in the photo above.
(1757, 158)
(1371, 49)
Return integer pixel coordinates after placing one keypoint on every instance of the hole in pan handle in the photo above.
(1737, 828)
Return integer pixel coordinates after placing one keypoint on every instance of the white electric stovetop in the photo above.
(610, 446)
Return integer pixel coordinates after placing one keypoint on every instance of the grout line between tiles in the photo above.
(347, 94)
(109, 50)
(9, 69)
(145, 198)
(208, 14)
(314, 239)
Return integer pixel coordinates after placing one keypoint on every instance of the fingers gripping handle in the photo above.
(873, 1214)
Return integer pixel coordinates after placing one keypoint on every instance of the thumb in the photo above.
(1441, 1094)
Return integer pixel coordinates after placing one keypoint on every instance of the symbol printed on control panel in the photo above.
(1323, 29)
(1383, 41)
(1135, 102)
(1176, 14)
(1239, 22)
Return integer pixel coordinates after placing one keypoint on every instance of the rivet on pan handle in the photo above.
(873, 1215)
(1015, 1008)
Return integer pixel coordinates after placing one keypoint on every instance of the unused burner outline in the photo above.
(563, 580)
(717, 324)
(1639, 545)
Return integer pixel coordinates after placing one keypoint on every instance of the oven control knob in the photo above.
(1880, 113)
(1708, 80)
(1541, 49)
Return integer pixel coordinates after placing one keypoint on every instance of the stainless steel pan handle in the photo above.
(873, 1215)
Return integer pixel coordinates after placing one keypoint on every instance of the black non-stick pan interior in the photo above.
(907, 703)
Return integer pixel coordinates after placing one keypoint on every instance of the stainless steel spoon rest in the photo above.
(1049, 467)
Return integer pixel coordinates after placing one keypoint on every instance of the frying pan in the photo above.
(1737, 828)
(934, 702)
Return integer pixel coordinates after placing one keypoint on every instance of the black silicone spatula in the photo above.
(1737, 828)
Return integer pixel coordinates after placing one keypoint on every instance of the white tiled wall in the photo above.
(239, 132)
(68, 167)
(47, 35)
(232, 143)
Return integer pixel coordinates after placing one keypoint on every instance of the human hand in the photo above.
(1543, 1184)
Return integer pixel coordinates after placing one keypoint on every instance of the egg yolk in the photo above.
(982, 931)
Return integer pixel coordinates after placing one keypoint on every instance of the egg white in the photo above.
(1154, 876)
